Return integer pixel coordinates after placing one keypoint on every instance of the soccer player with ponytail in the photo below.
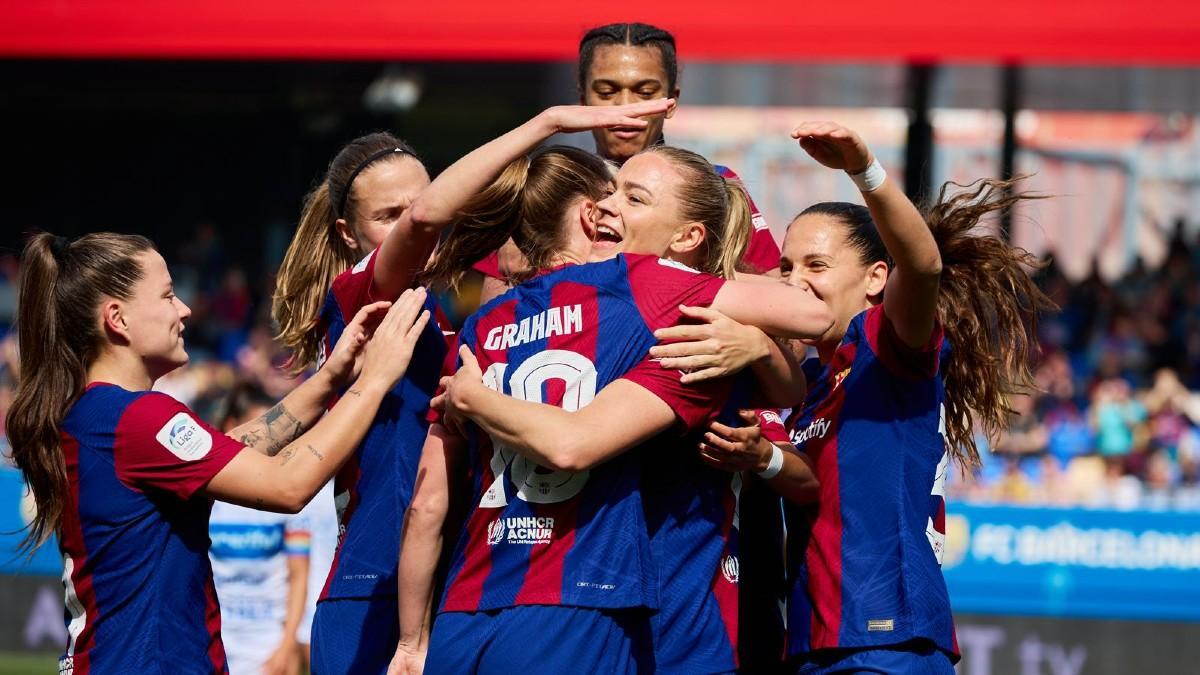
(125, 476)
(935, 328)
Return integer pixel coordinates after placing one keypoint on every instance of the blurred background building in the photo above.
(1076, 548)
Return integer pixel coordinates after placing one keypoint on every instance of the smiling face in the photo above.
(642, 213)
(153, 317)
(381, 193)
(621, 74)
(818, 257)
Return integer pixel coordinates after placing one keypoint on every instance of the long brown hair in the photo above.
(317, 253)
(59, 336)
(720, 204)
(987, 304)
(525, 202)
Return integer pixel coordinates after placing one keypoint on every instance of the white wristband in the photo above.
(871, 178)
(775, 465)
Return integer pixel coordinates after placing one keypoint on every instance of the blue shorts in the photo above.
(913, 658)
(354, 635)
(540, 639)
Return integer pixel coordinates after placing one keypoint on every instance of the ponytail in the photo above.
(313, 260)
(58, 335)
(720, 204)
(317, 253)
(988, 305)
(482, 226)
(739, 228)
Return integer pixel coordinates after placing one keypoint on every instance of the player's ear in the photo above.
(877, 275)
(674, 95)
(346, 233)
(112, 314)
(688, 238)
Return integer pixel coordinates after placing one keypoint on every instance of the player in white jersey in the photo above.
(260, 564)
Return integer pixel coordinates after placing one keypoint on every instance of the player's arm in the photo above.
(407, 247)
(288, 480)
(778, 309)
(303, 406)
(421, 544)
(622, 415)
(720, 346)
(286, 657)
(745, 448)
(912, 287)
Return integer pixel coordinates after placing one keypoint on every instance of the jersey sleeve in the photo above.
(297, 530)
(900, 359)
(762, 253)
(660, 286)
(355, 288)
(162, 445)
(695, 405)
(489, 266)
(771, 425)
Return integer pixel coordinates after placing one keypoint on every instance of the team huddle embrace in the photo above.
(661, 444)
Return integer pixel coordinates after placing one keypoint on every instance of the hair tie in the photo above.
(341, 211)
(58, 246)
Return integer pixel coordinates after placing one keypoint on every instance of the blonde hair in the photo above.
(720, 205)
(317, 253)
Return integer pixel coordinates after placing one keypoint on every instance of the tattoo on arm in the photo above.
(272, 431)
(288, 454)
(354, 391)
(313, 451)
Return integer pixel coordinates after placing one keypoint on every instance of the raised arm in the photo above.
(421, 545)
(407, 247)
(287, 481)
(555, 438)
(910, 300)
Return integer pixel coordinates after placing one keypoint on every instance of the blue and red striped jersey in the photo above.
(373, 488)
(537, 536)
(868, 573)
(134, 539)
(694, 518)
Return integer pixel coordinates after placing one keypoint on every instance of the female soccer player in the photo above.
(362, 235)
(890, 403)
(580, 537)
(124, 476)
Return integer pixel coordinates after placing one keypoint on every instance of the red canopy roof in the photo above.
(1151, 32)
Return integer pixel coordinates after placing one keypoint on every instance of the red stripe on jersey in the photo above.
(900, 359)
(466, 590)
(725, 581)
(544, 576)
(212, 620)
(81, 576)
(825, 546)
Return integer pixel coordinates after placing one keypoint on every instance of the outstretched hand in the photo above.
(834, 145)
(716, 348)
(345, 361)
(571, 118)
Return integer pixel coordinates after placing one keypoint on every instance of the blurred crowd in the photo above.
(1115, 423)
